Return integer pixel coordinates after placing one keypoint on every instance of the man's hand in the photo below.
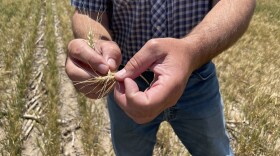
(84, 63)
(171, 64)
(173, 60)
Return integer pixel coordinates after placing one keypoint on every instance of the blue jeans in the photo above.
(197, 119)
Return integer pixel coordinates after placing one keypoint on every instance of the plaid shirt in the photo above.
(131, 20)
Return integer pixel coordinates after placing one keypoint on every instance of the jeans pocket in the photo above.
(205, 72)
(201, 96)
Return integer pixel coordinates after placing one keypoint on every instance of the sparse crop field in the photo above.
(42, 114)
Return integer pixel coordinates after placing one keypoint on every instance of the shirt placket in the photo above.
(159, 18)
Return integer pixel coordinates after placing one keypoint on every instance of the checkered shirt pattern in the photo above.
(132, 22)
(158, 19)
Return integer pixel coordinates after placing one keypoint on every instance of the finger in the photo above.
(160, 94)
(119, 94)
(126, 89)
(142, 107)
(133, 95)
(76, 73)
(140, 62)
(82, 80)
(131, 87)
(80, 50)
(165, 90)
(127, 93)
(111, 53)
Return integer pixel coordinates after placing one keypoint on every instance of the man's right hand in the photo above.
(84, 62)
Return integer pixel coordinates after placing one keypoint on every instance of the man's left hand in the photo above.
(171, 63)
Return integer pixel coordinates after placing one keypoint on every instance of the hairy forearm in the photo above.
(220, 29)
(85, 22)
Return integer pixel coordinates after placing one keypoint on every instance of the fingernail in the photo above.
(121, 73)
(112, 63)
(102, 68)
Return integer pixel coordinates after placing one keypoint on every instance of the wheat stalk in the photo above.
(103, 84)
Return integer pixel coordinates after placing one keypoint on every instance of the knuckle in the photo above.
(153, 44)
(156, 46)
(134, 63)
(116, 47)
(112, 50)
(76, 49)
(70, 46)
(111, 47)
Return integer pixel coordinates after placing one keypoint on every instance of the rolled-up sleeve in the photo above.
(90, 5)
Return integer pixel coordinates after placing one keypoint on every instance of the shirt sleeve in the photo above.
(91, 5)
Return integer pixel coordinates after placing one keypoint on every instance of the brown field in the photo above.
(42, 114)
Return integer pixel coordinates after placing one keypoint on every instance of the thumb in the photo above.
(139, 63)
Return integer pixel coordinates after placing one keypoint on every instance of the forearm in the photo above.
(83, 23)
(222, 27)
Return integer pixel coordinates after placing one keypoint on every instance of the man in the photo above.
(171, 43)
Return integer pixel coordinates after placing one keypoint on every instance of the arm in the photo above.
(222, 26)
(83, 23)
(84, 62)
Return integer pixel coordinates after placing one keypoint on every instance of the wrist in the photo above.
(192, 53)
